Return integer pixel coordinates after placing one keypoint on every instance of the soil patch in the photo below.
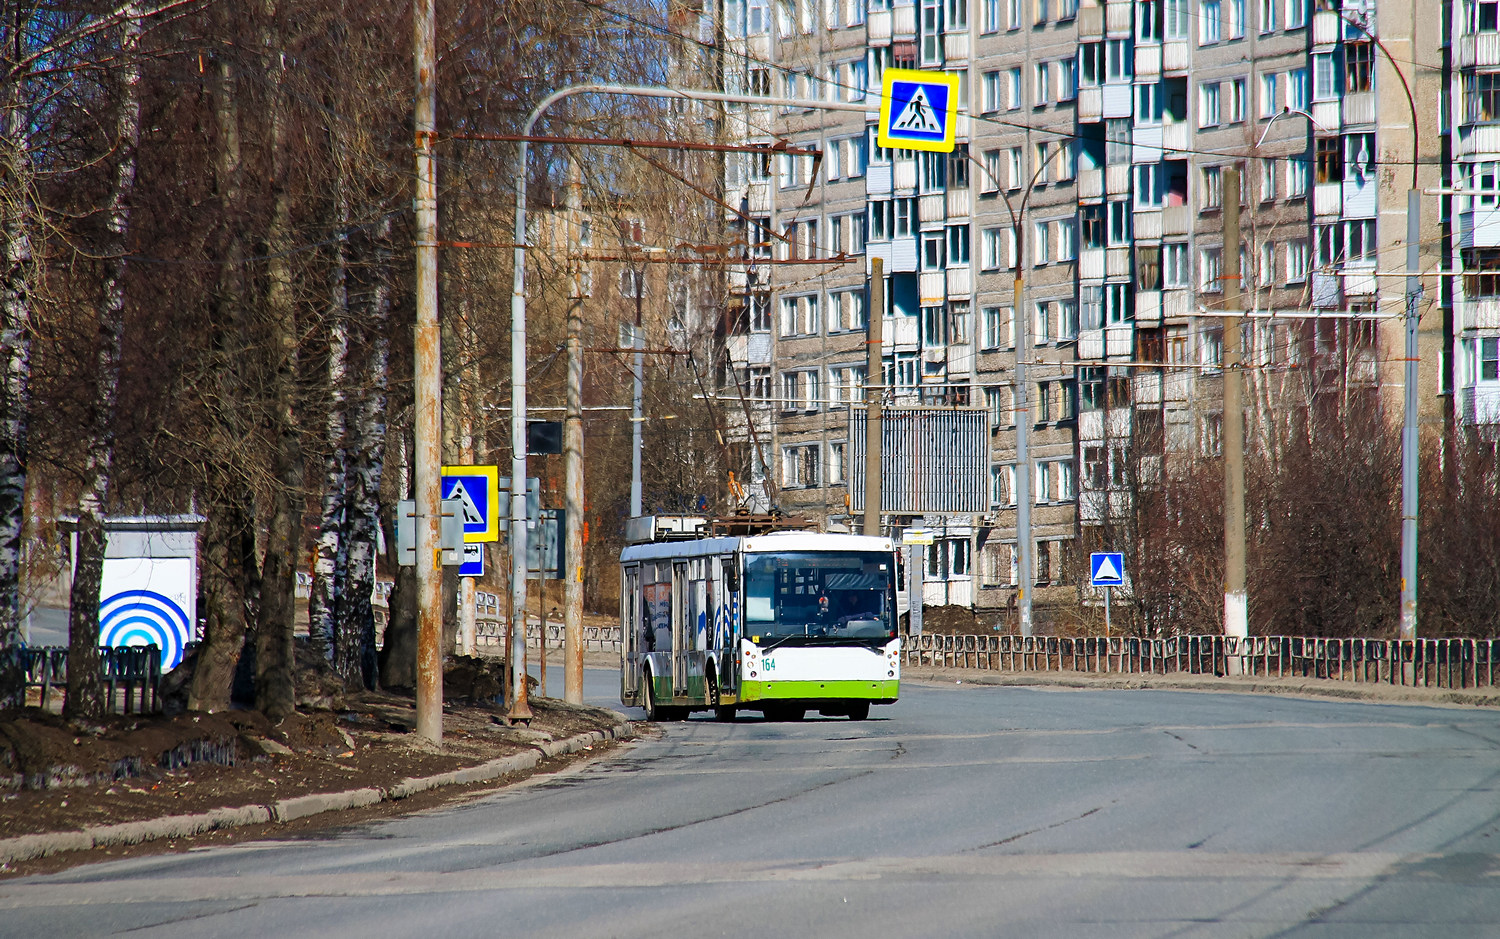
(57, 775)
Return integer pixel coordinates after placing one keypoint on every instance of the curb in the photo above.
(31, 847)
(1386, 694)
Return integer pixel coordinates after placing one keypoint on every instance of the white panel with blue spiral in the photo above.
(148, 601)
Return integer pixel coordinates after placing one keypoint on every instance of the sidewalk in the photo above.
(1301, 687)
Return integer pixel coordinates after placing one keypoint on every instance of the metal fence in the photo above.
(595, 638)
(132, 675)
(1430, 663)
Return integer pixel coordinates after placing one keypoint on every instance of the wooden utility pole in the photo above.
(1236, 612)
(875, 309)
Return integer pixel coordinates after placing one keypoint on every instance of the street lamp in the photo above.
(1024, 545)
(1409, 411)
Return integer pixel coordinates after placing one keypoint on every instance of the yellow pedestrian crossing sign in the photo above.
(477, 490)
(918, 110)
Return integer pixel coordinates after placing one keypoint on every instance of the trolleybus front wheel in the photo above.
(724, 713)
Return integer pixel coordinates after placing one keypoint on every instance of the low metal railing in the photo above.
(132, 675)
(595, 638)
(1430, 663)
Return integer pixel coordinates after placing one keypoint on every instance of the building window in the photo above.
(1270, 95)
(836, 467)
(1489, 359)
(1483, 16)
(1148, 21)
(1296, 261)
(1213, 187)
(1270, 15)
(999, 251)
(1175, 269)
(1208, 104)
(1481, 271)
(1040, 86)
(1211, 270)
(1297, 178)
(1296, 14)
(1359, 66)
(1176, 17)
(1266, 274)
(934, 326)
(1091, 307)
(997, 403)
(932, 251)
(1234, 101)
(1013, 89)
(997, 331)
(958, 246)
(1234, 25)
(1210, 22)
(759, 383)
(1325, 77)
(990, 87)
(632, 284)
(799, 467)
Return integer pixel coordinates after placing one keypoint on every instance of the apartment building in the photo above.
(1093, 144)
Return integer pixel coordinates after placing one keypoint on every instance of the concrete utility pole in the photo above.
(1409, 424)
(638, 384)
(573, 482)
(1232, 434)
(428, 380)
(875, 310)
(1024, 578)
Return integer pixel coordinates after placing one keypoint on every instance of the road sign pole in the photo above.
(1106, 611)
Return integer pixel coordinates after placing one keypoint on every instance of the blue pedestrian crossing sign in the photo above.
(918, 110)
(478, 489)
(1106, 569)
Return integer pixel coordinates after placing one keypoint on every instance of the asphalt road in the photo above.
(962, 811)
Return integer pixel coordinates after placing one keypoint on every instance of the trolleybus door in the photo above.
(729, 605)
(630, 626)
(680, 625)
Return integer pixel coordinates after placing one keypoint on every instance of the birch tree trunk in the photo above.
(85, 692)
(328, 567)
(230, 576)
(275, 694)
(356, 618)
(15, 345)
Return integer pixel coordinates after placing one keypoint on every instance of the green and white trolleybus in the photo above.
(780, 623)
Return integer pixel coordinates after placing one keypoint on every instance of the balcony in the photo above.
(1359, 108)
(960, 360)
(1177, 385)
(1359, 281)
(958, 203)
(960, 282)
(1119, 342)
(1359, 197)
(1176, 220)
(1175, 56)
(904, 22)
(759, 46)
(1090, 23)
(1090, 346)
(878, 179)
(1328, 198)
(1118, 100)
(1146, 387)
(1325, 291)
(878, 27)
(1091, 184)
(905, 175)
(1147, 225)
(1147, 62)
(1117, 179)
(1117, 18)
(1327, 26)
(1091, 264)
(1478, 139)
(1327, 113)
(1148, 308)
(903, 255)
(1145, 144)
(1116, 263)
(760, 198)
(751, 349)
(900, 332)
(932, 287)
(1482, 50)
(931, 209)
(1476, 313)
(956, 48)
(1175, 304)
(1174, 136)
(1481, 404)
(1090, 105)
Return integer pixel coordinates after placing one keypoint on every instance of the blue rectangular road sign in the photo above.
(1106, 569)
(477, 487)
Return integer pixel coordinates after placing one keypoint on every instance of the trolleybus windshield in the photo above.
(830, 596)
